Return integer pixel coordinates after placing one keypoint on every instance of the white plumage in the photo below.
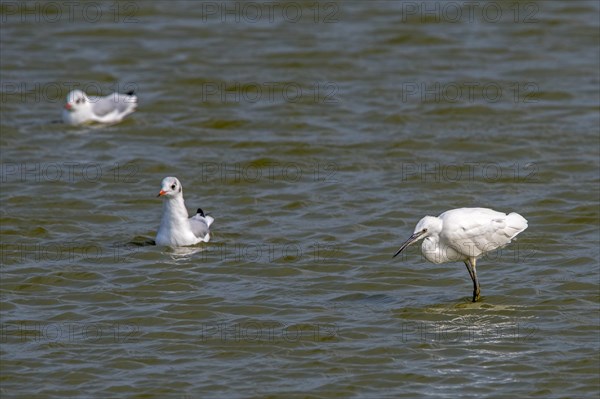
(81, 109)
(176, 228)
(465, 234)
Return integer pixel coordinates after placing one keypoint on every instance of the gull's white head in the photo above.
(77, 101)
(170, 188)
(429, 225)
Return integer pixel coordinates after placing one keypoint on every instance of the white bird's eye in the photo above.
(173, 186)
(424, 230)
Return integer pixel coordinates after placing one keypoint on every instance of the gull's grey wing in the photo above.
(120, 103)
(200, 226)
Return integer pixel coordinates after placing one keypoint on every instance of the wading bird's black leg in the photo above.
(471, 264)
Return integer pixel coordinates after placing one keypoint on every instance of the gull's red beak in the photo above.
(161, 192)
(68, 106)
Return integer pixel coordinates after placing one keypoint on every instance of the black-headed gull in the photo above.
(177, 229)
(465, 234)
(81, 109)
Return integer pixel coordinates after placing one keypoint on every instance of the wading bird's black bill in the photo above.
(410, 240)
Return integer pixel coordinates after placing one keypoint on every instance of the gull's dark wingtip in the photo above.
(130, 92)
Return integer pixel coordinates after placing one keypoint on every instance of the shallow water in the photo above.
(316, 142)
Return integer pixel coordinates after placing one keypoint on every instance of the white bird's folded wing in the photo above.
(474, 231)
(119, 104)
(200, 226)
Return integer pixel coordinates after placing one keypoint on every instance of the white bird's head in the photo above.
(77, 101)
(429, 225)
(170, 188)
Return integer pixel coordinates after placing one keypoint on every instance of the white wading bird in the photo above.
(81, 109)
(176, 228)
(465, 234)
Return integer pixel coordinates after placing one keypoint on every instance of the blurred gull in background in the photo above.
(81, 109)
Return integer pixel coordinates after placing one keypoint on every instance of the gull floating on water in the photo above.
(465, 234)
(176, 228)
(81, 109)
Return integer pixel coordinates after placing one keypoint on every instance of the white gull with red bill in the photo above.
(177, 229)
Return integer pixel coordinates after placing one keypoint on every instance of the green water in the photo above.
(316, 135)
